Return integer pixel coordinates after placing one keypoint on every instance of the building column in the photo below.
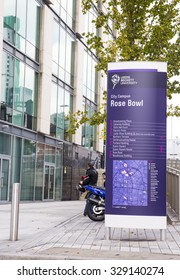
(78, 79)
(1, 40)
(45, 72)
(78, 87)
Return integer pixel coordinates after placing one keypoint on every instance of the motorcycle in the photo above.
(95, 201)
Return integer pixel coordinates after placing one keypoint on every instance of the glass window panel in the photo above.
(68, 78)
(61, 74)
(86, 23)
(51, 181)
(89, 74)
(85, 68)
(88, 93)
(67, 109)
(55, 68)
(46, 182)
(90, 26)
(20, 43)
(68, 53)
(55, 41)
(36, 84)
(4, 168)
(90, 77)
(30, 97)
(69, 58)
(30, 50)
(63, 14)
(58, 180)
(63, 10)
(62, 55)
(33, 22)
(19, 86)
(29, 90)
(64, 3)
(39, 171)
(89, 132)
(84, 90)
(69, 21)
(9, 8)
(33, 26)
(93, 86)
(70, 5)
(53, 116)
(67, 103)
(9, 20)
(54, 99)
(5, 144)
(28, 170)
(49, 154)
(59, 133)
(35, 104)
(61, 105)
(17, 118)
(56, 6)
(94, 29)
(21, 17)
(71, 103)
(7, 80)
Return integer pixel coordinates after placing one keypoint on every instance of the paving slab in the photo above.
(58, 230)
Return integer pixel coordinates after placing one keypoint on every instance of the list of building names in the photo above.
(130, 139)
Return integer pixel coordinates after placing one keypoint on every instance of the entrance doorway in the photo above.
(49, 181)
(4, 177)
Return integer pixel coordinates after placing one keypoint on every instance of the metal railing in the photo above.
(173, 189)
(175, 163)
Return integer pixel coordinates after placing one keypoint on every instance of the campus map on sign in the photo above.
(130, 183)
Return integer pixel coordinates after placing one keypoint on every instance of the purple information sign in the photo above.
(136, 142)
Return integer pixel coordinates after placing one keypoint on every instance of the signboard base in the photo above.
(131, 221)
(148, 222)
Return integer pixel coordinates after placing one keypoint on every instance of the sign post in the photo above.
(136, 146)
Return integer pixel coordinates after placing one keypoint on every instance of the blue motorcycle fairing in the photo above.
(92, 192)
(96, 190)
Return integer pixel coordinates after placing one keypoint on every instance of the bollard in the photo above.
(15, 212)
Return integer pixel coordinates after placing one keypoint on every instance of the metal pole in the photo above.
(107, 233)
(15, 212)
(162, 234)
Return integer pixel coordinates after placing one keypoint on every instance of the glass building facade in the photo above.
(45, 72)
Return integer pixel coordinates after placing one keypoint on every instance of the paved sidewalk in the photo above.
(58, 230)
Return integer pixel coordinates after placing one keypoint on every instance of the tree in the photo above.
(146, 30)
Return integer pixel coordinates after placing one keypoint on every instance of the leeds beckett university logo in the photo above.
(123, 80)
(115, 80)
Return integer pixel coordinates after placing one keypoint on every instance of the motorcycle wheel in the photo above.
(93, 213)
